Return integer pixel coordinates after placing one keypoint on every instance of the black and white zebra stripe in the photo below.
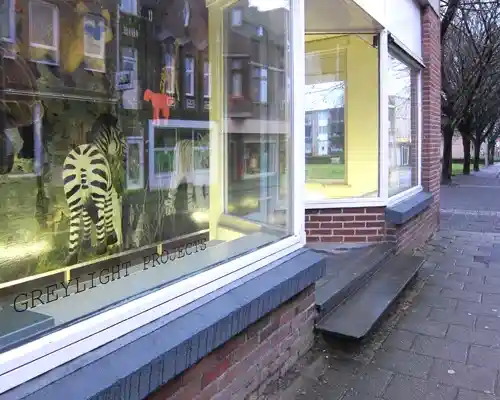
(88, 188)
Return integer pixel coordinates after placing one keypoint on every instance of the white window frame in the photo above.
(132, 11)
(55, 33)
(170, 73)
(102, 55)
(206, 75)
(383, 199)
(190, 71)
(262, 78)
(12, 23)
(236, 71)
(39, 356)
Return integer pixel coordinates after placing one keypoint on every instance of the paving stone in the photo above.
(477, 308)
(484, 357)
(462, 295)
(469, 395)
(372, 381)
(443, 282)
(440, 348)
(430, 328)
(492, 280)
(488, 323)
(402, 340)
(453, 268)
(492, 299)
(485, 272)
(409, 388)
(452, 317)
(403, 362)
(482, 288)
(474, 336)
(437, 302)
(464, 376)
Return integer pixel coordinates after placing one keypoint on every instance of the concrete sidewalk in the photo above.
(443, 340)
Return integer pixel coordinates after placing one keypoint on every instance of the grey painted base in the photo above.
(16, 326)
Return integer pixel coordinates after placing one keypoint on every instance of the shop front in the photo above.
(153, 163)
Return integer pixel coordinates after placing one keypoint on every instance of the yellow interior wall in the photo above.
(361, 119)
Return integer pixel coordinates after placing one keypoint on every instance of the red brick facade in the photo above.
(367, 224)
(250, 361)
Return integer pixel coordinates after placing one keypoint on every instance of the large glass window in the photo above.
(125, 163)
(341, 121)
(403, 126)
(6, 20)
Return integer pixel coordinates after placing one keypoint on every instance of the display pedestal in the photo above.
(16, 326)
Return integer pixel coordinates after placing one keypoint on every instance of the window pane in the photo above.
(117, 183)
(42, 27)
(4, 19)
(403, 129)
(342, 149)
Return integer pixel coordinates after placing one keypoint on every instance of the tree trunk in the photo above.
(447, 143)
(491, 152)
(477, 152)
(466, 144)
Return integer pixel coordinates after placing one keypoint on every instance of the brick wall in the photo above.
(349, 225)
(248, 362)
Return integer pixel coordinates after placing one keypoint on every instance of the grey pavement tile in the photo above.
(474, 336)
(441, 348)
(477, 308)
(463, 375)
(470, 395)
(485, 272)
(465, 278)
(371, 381)
(402, 340)
(443, 282)
(436, 302)
(484, 357)
(430, 328)
(482, 288)
(409, 388)
(404, 362)
(452, 317)
(453, 268)
(488, 323)
(462, 295)
(492, 280)
(491, 299)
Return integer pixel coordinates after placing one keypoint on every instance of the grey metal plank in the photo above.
(351, 276)
(357, 316)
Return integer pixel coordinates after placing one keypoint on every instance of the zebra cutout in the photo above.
(184, 171)
(88, 186)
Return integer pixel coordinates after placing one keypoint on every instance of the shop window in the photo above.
(236, 78)
(44, 32)
(94, 43)
(206, 79)
(403, 126)
(189, 76)
(125, 198)
(169, 73)
(342, 124)
(128, 6)
(7, 20)
(259, 84)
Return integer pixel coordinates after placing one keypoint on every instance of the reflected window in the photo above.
(128, 6)
(236, 17)
(7, 20)
(169, 73)
(259, 80)
(237, 78)
(189, 76)
(44, 32)
(206, 79)
(94, 43)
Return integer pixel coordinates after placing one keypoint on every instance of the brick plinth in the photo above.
(247, 363)
(346, 225)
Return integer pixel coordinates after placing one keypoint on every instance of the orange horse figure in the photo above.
(160, 102)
